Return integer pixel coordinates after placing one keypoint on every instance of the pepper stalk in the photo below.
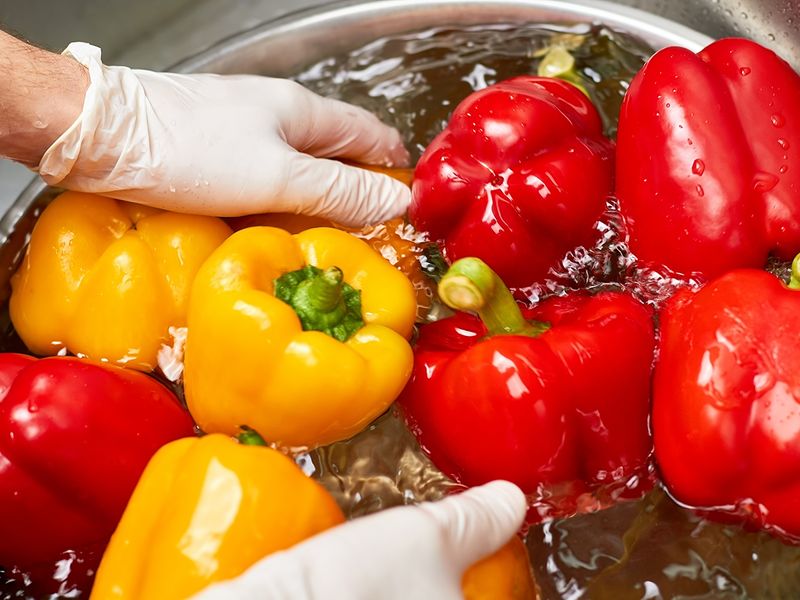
(322, 300)
(471, 285)
(559, 63)
(794, 279)
(250, 437)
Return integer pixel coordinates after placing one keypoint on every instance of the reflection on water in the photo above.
(379, 468)
(650, 548)
(653, 548)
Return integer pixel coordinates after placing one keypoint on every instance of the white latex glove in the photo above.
(406, 553)
(224, 146)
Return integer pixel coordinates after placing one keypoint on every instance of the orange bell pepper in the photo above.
(504, 575)
(205, 510)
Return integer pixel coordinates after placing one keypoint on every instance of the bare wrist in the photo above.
(42, 96)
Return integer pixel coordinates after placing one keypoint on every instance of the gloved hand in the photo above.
(224, 146)
(406, 553)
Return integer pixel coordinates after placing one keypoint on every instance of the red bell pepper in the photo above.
(563, 399)
(517, 178)
(726, 398)
(74, 438)
(706, 163)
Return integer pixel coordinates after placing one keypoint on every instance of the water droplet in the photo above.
(700, 191)
(783, 143)
(763, 382)
(698, 167)
(777, 120)
(796, 394)
(783, 169)
(764, 182)
(771, 37)
(744, 71)
(172, 188)
(667, 105)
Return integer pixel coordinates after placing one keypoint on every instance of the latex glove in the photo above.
(406, 553)
(224, 146)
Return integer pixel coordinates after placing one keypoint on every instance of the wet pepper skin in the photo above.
(569, 405)
(249, 361)
(106, 279)
(205, 510)
(517, 178)
(707, 170)
(726, 404)
(74, 439)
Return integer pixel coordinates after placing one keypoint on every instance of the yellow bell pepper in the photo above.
(309, 369)
(106, 279)
(205, 510)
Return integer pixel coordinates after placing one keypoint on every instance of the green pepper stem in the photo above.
(471, 285)
(794, 280)
(250, 437)
(324, 293)
(322, 300)
(559, 63)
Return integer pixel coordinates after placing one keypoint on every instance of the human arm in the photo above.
(205, 144)
(30, 119)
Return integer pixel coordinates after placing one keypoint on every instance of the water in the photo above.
(646, 548)
(415, 81)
